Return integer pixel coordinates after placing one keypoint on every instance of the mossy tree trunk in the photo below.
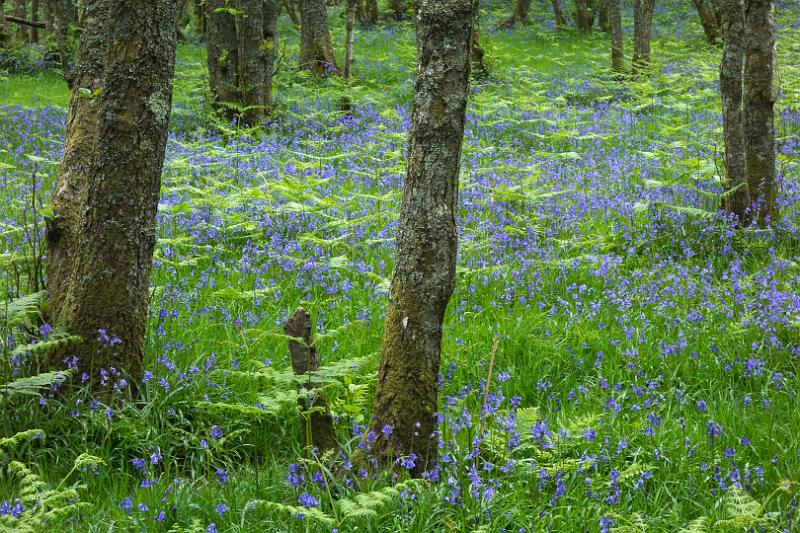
(584, 16)
(367, 11)
(424, 270)
(615, 21)
(602, 16)
(101, 236)
(272, 9)
(760, 94)
(397, 9)
(350, 23)
(252, 61)
(316, 49)
(291, 10)
(520, 14)
(223, 57)
(737, 199)
(708, 19)
(21, 11)
(642, 30)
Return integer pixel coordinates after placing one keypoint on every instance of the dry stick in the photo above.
(495, 342)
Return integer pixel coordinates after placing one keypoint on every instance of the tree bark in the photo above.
(520, 15)
(424, 270)
(583, 16)
(223, 58)
(397, 10)
(558, 14)
(252, 61)
(291, 10)
(642, 29)
(708, 19)
(737, 197)
(272, 9)
(350, 22)
(603, 16)
(617, 51)
(119, 153)
(21, 13)
(316, 49)
(64, 18)
(760, 94)
(368, 12)
(35, 19)
(479, 70)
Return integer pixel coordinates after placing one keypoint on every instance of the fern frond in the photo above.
(32, 385)
(312, 514)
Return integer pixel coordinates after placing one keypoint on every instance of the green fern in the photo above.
(33, 385)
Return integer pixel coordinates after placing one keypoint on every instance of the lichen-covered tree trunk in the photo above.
(69, 196)
(615, 21)
(760, 94)
(252, 60)
(708, 19)
(223, 57)
(424, 270)
(350, 23)
(642, 28)
(114, 153)
(737, 198)
(316, 49)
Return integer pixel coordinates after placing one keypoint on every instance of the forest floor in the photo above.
(647, 372)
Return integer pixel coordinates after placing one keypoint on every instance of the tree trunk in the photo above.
(424, 271)
(368, 12)
(582, 16)
(603, 16)
(479, 70)
(397, 10)
(520, 15)
(737, 197)
(21, 12)
(64, 17)
(642, 28)
(223, 58)
(252, 60)
(708, 20)
(617, 51)
(350, 23)
(316, 50)
(198, 7)
(760, 94)
(558, 14)
(291, 10)
(104, 299)
(34, 18)
(272, 9)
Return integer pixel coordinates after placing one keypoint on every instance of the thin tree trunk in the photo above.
(760, 94)
(424, 271)
(558, 14)
(520, 15)
(21, 12)
(252, 60)
(223, 58)
(603, 16)
(642, 29)
(316, 49)
(479, 70)
(350, 23)
(582, 18)
(272, 9)
(397, 10)
(200, 14)
(104, 299)
(737, 197)
(34, 18)
(64, 16)
(617, 51)
(368, 12)
(711, 27)
(291, 10)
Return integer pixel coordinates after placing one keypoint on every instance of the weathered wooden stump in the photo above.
(316, 422)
